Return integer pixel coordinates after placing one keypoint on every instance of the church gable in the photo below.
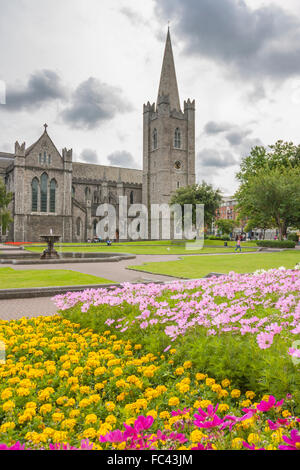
(43, 153)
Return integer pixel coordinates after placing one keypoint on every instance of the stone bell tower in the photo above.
(169, 138)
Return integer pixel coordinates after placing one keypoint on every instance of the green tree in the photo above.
(280, 155)
(226, 226)
(199, 194)
(5, 199)
(272, 196)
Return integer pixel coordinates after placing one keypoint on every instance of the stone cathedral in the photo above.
(50, 191)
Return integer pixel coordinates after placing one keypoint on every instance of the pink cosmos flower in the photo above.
(267, 405)
(293, 442)
(264, 340)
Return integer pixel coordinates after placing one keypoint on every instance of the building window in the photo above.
(154, 139)
(34, 194)
(131, 197)
(52, 196)
(178, 184)
(177, 139)
(73, 191)
(87, 193)
(40, 158)
(44, 191)
(78, 227)
(96, 197)
(95, 228)
(49, 159)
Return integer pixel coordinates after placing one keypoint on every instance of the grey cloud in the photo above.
(237, 137)
(93, 103)
(123, 159)
(214, 159)
(135, 18)
(42, 87)
(89, 156)
(257, 42)
(213, 127)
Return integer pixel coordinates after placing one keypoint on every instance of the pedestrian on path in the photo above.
(238, 245)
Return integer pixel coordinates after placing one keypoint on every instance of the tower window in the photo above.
(78, 227)
(177, 139)
(52, 195)
(34, 194)
(154, 139)
(131, 197)
(44, 190)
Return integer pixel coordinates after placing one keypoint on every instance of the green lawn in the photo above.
(141, 249)
(13, 279)
(193, 267)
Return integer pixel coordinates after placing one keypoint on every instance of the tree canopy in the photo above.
(199, 194)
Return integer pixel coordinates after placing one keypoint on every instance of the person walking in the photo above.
(238, 245)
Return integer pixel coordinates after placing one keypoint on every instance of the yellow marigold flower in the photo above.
(172, 351)
(223, 407)
(110, 406)
(84, 403)
(235, 393)
(8, 405)
(223, 393)
(118, 371)
(152, 413)
(90, 419)
(225, 383)
(266, 397)
(68, 424)
(250, 395)
(99, 371)
(78, 371)
(237, 443)
(179, 371)
(137, 347)
(23, 392)
(164, 415)
(121, 396)
(205, 403)
(6, 394)
(44, 409)
(187, 364)
(61, 400)
(216, 388)
(95, 398)
(286, 414)
(63, 374)
(7, 426)
(253, 438)
(57, 417)
(111, 419)
(173, 401)
(245, 403)
(210, 382)
(84, 390)
(74, 413)
(196, 436)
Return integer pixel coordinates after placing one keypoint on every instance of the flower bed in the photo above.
(67, 387)
(241, 326)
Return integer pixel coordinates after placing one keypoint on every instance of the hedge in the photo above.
(276, 243)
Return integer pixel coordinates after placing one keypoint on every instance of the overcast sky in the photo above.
(87, 66)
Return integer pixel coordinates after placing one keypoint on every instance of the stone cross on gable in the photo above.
(45, 126)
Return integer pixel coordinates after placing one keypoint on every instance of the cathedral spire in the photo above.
(168, 81)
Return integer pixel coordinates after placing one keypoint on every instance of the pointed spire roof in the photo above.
(168, 81)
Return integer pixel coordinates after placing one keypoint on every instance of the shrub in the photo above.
(276, 243)
(293, 237)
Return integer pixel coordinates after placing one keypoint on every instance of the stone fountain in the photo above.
(50, 252)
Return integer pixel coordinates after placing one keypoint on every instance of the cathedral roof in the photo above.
(6, 159)
(168, 81)
(88, 171)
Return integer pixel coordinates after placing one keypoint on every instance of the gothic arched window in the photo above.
(177, 139)
(154, 139)
(87, 193)
(95, 227)
(73, 191)
(44, 192)
(53, 196)
(34, 194)
(131, 197)
(78, 227)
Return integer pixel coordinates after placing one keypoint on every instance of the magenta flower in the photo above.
(293, 442)
(267, 405)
